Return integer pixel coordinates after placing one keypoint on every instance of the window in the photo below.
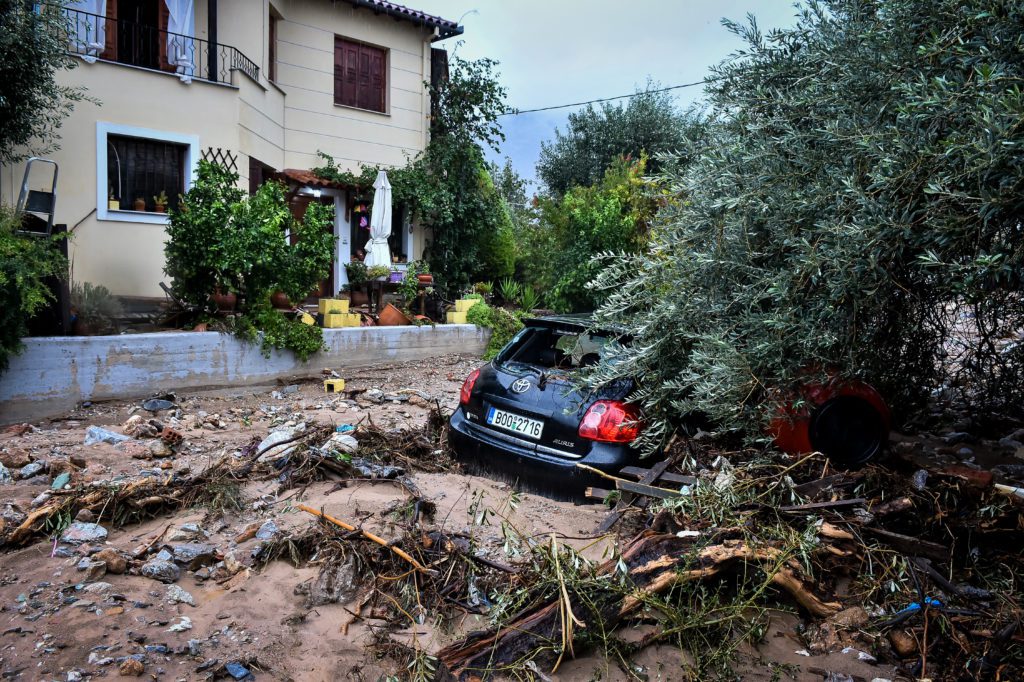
(135, 166)
(360, 75)
(272, 50)
(141, 169)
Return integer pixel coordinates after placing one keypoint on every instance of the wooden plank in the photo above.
(667, 476)
(627, 499)
(911, 546)
(647, 490)
(815, 506)
(597, 493)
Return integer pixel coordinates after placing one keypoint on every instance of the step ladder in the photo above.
(37, 206)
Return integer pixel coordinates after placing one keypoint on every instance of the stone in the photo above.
(85, 516)
(164, 571)
(374, 395)
(290, 389)
(187, 531)
(12, 515)
(131, 668)
(5, 475)
(94, 570)
(194, 555)
(176, 595)
(136, 449)
(267, 531)
(248, 533)
(853, 617)
(74, 676)
(902, 643)
(34, 469)
(958, 437)
(79, 532)
(156, 405)
(116, 564)
(158, 448)
(78, 461)
(61, 481)
(98, 588)
(138, 426)
(274, 438)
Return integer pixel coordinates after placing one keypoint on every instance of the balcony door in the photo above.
(136, 33)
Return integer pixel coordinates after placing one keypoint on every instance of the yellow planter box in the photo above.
(333, 321)
(464, 304)
(353, 319)
(326, 305)
(457, 317)
(334, 385)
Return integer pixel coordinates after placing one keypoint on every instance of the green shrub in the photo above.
(504, 324)
(95, 306)
(274, 329)
(857, 211)
(25, 264)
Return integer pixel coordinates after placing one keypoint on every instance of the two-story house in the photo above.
(259, 85)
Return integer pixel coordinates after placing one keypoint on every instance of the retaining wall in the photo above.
(53, 374)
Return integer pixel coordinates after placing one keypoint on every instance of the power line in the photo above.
(603, 99)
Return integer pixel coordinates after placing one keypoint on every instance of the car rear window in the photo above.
(549, 348)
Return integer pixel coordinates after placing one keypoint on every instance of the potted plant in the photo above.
(225, 300)
(160, 202)
(140, 204)
(94, 308)
(279, 299)
(378, 273)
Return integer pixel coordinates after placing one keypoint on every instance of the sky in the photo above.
(560, 51)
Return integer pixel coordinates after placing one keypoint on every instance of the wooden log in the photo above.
(655, 563)
(646, 490)
(909, 545)
(666, 476)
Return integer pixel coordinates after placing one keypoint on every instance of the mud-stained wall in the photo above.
(54, 374)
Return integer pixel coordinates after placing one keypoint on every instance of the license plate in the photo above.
(524, 426)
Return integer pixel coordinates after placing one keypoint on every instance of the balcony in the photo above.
(93, 37)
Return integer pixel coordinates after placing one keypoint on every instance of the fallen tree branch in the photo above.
(655, 563)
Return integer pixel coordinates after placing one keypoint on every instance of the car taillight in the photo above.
(467, 387)
(610, 421)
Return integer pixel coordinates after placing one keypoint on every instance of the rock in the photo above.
(902, 643)
(248, 533)
(79, 532)
(237, 670)
(136, 449)
(115, 563)
(74, 676)
(85, 516)
(156, 405)
(853, 617)
(12, 515)
(158, 448)
(290, 389)
(94, 570)
(342, 443)
(131, 668)
(61, 481)
(98, 588)
(78, 461)
(275, 437)
(1010, 444)
(164, 571)
(958, 437)
(267, 531)
(34, 469)
(187, 531)
(176, 595)
(374, 395)
(194, 555)
(41, 499)
(5, 475)
(138, 426)
(95, 434)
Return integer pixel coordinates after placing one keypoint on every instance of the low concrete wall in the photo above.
(53, 374)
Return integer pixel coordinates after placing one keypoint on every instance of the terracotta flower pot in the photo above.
(425, 279)
(391, 316)
(225, 302)
(359, 298)
(139, 205)
(161, 208)
(279, 299)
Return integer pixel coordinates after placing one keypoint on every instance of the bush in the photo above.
(25, 264)
(857, 212)
(95, 306)
(504, 324)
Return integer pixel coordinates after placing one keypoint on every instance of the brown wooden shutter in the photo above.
(375, 91)
(163, 15)
(360, 76)
(110, 37)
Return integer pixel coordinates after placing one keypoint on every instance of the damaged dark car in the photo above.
(523, 419)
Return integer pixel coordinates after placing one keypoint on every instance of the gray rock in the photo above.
(79, 533)
(374, 395)
(5, 475)
(958, 437)
(164, 571)
(34, 469)
(158, 448)
(267, 531)
(290, 389)
(1010, 444)
(12, 514)
(41, 499)
(176, 595)
(194, 555)
(95, 434)
(98, 588)
(94, 568)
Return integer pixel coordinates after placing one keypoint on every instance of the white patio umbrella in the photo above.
(377, 251)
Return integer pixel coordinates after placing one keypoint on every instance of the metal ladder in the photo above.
(38, 204)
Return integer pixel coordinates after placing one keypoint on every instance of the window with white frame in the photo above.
(141, 173)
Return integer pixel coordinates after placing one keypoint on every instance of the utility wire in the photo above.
(603, 99)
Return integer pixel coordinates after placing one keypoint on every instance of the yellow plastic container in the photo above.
(326, 305)
(335, 320)
(464, 304)
(334, 385)
(456, 317)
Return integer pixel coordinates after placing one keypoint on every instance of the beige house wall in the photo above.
(282, 124)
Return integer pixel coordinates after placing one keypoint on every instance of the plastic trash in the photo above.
(95, 434)
(345, 428)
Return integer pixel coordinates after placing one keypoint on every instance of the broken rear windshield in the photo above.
(549, 348)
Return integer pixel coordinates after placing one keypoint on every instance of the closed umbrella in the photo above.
(377, 251)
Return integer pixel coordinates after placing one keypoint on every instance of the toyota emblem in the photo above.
(520, 385)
